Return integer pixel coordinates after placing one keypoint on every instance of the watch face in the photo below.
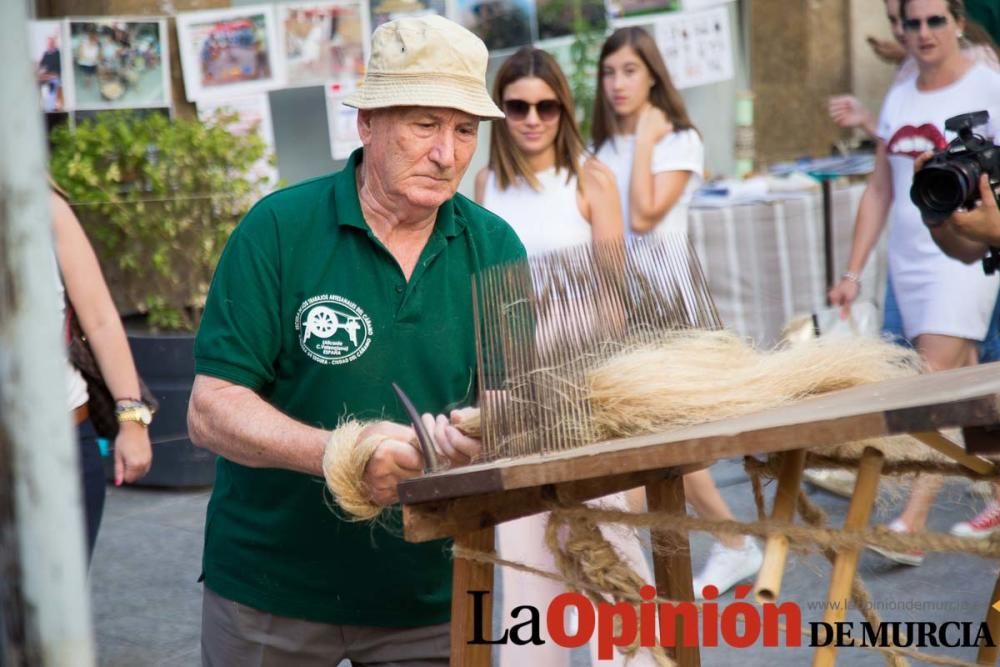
(145, 416)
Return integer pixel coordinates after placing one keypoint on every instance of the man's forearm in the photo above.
(235, 423)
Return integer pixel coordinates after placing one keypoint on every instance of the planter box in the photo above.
(166, 364)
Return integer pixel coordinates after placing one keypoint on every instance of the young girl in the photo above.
(643, 133)
(540, 182)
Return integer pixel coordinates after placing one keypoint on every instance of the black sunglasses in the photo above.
(933, 22)
(548, 110)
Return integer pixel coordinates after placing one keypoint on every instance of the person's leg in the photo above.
(424, 646)
(235, 634)
(92, 483)
(940, 353)
(989, 349)
(708, 503)
(733, 557)
(523, 541)
(892, 318)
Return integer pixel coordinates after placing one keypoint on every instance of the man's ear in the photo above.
(365, 131)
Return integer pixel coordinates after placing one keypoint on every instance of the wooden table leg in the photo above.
(846, 564)
(672, 567)
(772, 570)
(988, 655)
(471, 576)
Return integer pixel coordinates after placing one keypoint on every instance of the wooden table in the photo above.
(466, 503)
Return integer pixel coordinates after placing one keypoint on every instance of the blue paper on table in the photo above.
(837, 165)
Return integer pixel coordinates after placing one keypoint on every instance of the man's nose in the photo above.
(443, 151)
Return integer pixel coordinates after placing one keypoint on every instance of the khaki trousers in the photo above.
(235, 635)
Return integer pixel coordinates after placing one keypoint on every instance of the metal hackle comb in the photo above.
(542, 323)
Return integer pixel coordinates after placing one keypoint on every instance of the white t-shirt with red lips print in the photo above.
(936, 294)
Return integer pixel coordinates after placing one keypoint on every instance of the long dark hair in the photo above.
(662, 95)
(506, 159)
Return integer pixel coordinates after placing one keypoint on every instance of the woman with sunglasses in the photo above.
(945, 305)
(554, 196)
(643, 133)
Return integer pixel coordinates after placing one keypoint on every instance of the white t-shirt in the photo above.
(545, 220)
(936, 294)
(678, 151)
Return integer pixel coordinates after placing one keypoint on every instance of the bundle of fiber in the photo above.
(691, 377)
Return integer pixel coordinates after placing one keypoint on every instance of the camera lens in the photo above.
(940, 189)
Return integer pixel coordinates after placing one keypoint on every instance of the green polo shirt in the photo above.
(309, 310)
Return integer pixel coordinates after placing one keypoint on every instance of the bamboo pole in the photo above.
(846, 564)
(772, 570)
(46, 611)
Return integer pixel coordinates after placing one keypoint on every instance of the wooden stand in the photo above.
(467, 502)
(470, 576)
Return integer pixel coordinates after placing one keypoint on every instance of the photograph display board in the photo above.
(383, 11)
(252, 115)
(342, 123)
(323, 41)
(501, 24)
(45, 41)
(229, 52)
(118, 63)
(697, 47)
(556, 17)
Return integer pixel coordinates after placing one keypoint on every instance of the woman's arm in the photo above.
(868, 226)
(90, 298)
(602, 206)
(651, 195)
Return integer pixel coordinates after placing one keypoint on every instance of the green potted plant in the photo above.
(158, 197)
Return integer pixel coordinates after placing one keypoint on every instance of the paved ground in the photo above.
(147, 602)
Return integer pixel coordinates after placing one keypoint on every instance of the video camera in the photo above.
(950, 179)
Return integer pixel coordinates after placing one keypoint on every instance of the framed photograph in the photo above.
(118, 63)
(251, 115)
(501, 24)
(45, 40)
(323, 41)
(383, 11)
(696, 46)
(556, 17)
(229, 52)
(342, 123)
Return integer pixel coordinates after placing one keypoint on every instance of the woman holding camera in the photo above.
(945, 305)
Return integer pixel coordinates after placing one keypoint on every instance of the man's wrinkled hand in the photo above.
(395, 459)
(452, 443)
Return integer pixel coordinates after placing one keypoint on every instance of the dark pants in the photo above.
(92, 480)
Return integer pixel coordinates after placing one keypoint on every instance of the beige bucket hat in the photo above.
(426, 61)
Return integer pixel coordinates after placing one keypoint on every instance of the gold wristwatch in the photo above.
(133, 411)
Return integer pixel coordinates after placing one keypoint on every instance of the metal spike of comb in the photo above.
(544, 322)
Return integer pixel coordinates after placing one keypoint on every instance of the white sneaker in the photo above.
(982, 525)
(913, 558)
(727, 567)
(840, 482)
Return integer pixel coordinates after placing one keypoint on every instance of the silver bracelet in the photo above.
(852, 276)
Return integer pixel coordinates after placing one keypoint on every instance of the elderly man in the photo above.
(327, 292)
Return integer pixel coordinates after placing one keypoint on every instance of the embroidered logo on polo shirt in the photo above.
(332, 329)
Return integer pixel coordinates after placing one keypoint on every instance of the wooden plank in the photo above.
(471, 576)
(672, 559)
(961, 397)
(434, 520)
(956, 452)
